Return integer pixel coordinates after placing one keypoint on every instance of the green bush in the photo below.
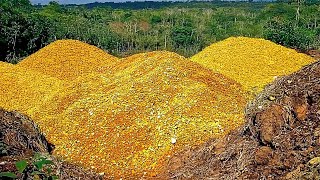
(290, 35)
(39, 168)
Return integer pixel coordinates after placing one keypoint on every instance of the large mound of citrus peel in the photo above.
(126, 117)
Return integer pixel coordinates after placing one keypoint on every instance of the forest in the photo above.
(128, 28)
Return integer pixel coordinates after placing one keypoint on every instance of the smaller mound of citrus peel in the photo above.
(68, 59)
(250, 61)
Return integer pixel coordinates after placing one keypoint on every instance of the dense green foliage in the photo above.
(185, 28)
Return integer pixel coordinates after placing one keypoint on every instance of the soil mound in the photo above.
(21, 139)
(280, 139)
(68, 59)
(129, 122)
(252, 62)
(18, 134)
(314, 53)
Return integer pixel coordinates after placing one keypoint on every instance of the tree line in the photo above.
(182, 28)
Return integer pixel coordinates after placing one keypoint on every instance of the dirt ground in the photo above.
(314, 53)
(20, 139)
(280, 139)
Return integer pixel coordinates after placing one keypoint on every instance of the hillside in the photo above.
(128, 28)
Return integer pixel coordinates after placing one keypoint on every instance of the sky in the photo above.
(86, 1)
(68, 1)
(75, 1)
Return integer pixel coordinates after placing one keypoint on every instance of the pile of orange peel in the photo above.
(126, 117)
(250, 61)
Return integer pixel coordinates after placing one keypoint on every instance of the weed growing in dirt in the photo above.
(38, 168)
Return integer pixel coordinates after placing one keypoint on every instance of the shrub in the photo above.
(290, 35)
(38, 168)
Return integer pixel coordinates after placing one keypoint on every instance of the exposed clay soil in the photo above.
(280, 139)
(20, 139)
